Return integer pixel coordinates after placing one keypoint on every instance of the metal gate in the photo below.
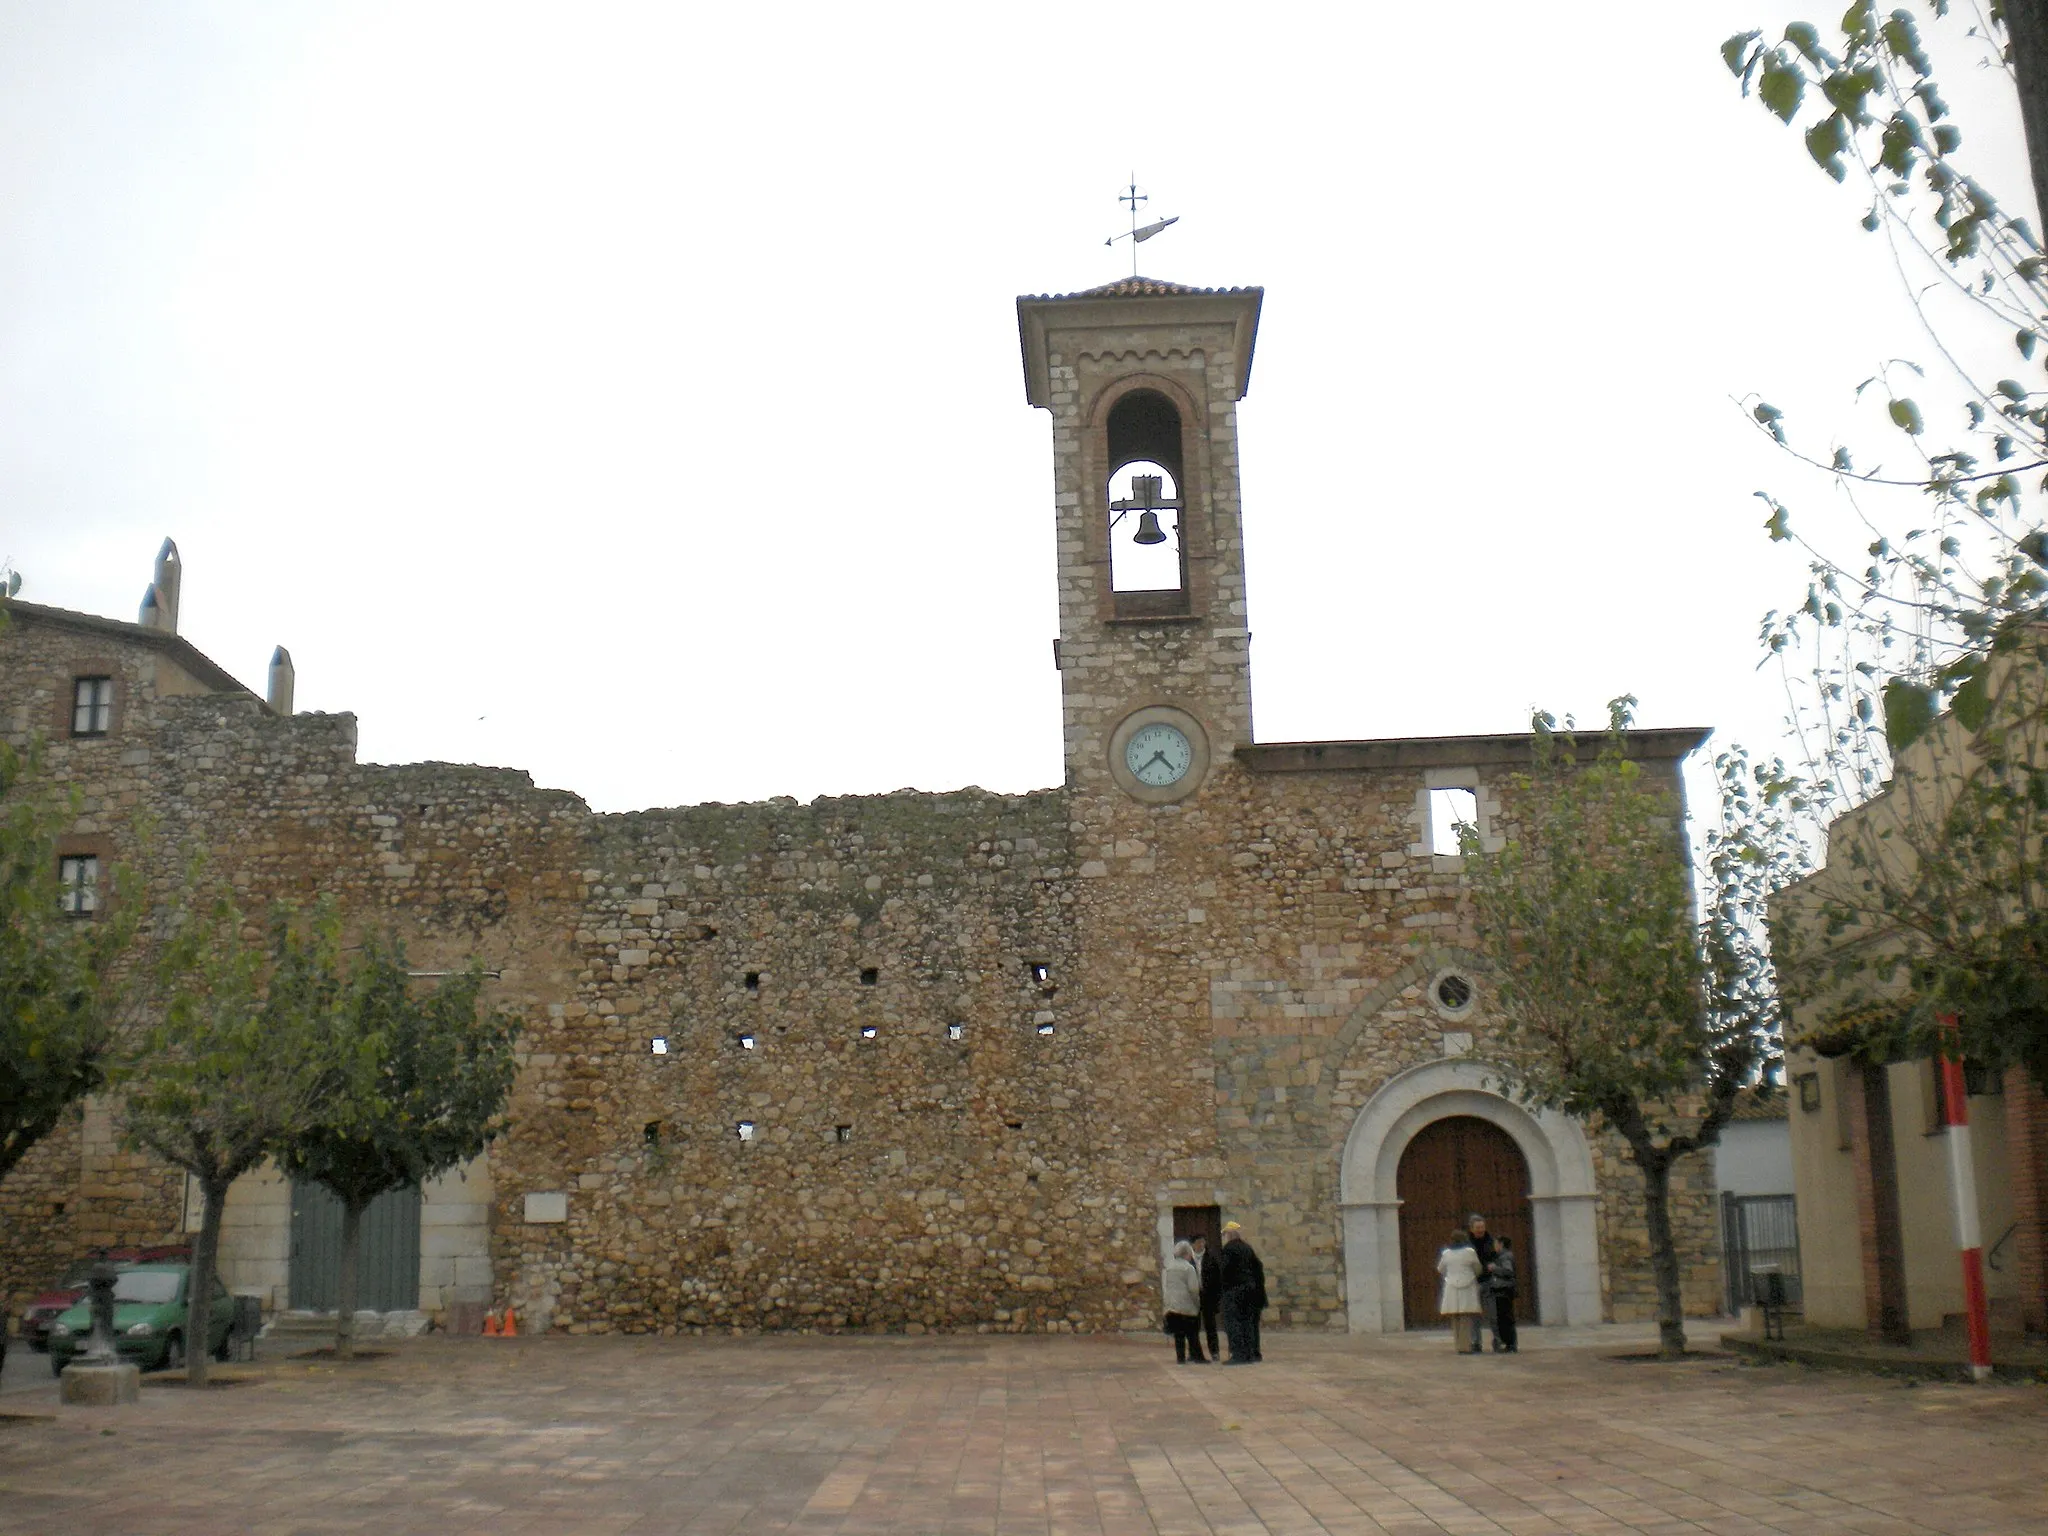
(387, 1270)
(1759, 1237)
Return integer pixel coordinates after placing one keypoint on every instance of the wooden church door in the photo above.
(1453, 1167)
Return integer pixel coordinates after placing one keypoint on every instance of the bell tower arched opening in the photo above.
(1147, 528)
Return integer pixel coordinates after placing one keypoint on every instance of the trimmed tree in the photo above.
(1613, 1005)
(237, 1063)
(419, 1087)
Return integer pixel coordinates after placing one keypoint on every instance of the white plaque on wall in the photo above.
(547, 1206)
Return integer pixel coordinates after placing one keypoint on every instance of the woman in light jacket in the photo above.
(1181, 1284)
(1459, 1302)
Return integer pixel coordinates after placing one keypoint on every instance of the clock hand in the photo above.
(1156, 757)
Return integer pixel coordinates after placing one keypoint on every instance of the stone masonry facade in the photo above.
(927, 1061)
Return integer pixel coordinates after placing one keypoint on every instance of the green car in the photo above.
(149, 1320)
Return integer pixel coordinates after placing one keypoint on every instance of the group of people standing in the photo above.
(1198, 1285)
(1479, 1282)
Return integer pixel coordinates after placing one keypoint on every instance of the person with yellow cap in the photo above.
(1244, 1295)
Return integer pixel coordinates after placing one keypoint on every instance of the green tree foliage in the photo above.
(420, 1079)
(56, 971)
(1613, 1005)
(57, 992)
(237, 1061)
(1919, 662)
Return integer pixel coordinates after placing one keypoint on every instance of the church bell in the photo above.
(1149, 531)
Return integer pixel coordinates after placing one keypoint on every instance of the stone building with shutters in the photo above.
(911, 1061)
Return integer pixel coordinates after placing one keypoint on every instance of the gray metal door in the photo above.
(388, 1270)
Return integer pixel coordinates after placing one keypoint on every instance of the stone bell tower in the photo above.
(1143, 378)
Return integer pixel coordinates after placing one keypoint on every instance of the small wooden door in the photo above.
(1193, 1221)
(1453, 1167)
(387, 1269)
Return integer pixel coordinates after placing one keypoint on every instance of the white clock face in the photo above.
(1158, 755)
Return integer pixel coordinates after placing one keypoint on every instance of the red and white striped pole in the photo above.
(1962, 1182)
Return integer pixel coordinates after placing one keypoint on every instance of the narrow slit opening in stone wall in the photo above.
(1045, 1029)
(658, 1046)
(1014, 1125)
(746, 1042)
(842, 1133)
(956, 1031)
(870, 976)
(868, 1031)
(753, 981)
(651, 1133)
(746, 1130)
(1041, 973)
(1450, 809)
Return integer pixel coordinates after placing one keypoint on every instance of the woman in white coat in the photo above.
(1180, 1282)
(1459, 1301)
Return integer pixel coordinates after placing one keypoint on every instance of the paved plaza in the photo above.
(1017, 1435)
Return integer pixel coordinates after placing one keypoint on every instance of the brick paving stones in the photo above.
(1006, 1435)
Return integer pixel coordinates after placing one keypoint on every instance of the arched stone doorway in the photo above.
(1563, 1236)
(1450, 1168)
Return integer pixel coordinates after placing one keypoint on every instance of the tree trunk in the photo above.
(1663, 1253)
(345, 1289)
(199, 1283)
(2026, 27)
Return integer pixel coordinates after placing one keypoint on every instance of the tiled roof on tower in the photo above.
(1136, 288)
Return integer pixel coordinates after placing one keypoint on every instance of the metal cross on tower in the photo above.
(1138, 235)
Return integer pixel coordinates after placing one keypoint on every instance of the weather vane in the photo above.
(1137, 235)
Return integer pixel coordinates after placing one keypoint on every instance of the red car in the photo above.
(37, 1316)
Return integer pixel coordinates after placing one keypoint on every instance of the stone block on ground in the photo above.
(101, 1386)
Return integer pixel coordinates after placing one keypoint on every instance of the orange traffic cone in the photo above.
(490, 1325)
(511, 1330)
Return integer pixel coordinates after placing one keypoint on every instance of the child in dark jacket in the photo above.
(1500, 1291)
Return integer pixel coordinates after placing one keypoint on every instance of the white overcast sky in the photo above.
(631, 393)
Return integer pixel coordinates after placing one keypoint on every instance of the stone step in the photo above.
(319, 1326)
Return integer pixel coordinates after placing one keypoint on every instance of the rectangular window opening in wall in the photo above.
(842, 1134)
(753, 981)
(78, 876)
(651, 1133)
(956, 1031)
(869, 976)
(658, 1046)
(1980, 1081)
(92, 706)
(1045, 1029)
(868, 1031)
(1450, 809)
(746, 1130)
(746, 1042)
(1041, 973)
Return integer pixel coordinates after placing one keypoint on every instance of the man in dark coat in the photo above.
(1243, 1279)
(1487, 1247)
(1212, 1290)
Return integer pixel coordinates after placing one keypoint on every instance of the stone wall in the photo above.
(1226, 980)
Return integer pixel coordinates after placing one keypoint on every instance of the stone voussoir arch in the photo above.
(1563, 1193)
(1418, 971)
